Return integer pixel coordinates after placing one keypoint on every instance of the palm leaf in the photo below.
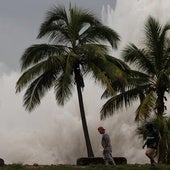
(146, 107)
(64, 83)
(52, 64)
(102, 33)
(37, 90)
(54, 24)
(40, 52)
(100, 76)
(153, 43)
(152, 33)
(139, 58)
(119, 101)
(133, 79)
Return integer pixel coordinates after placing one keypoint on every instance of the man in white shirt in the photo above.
(107, 147)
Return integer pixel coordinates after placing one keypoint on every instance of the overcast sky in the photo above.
(20, 21)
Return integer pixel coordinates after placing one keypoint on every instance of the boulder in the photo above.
(2, 163)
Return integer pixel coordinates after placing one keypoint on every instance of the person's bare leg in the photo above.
(150, 153)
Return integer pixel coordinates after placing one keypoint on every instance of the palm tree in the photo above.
(74, 50)
(150, 81)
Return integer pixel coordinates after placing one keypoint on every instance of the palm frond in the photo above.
(112, 67)
(134, 79)
(54, 24)
(89, 52)
(153, 43)
(52, 64)
(118, 62)
(147, 106)
(116, 70)
(39, 52)
(117, 85)
(137, 74)
(37, 90)
(90, 29)
(152, 32)
(80, 20)
(138, 57)
(119, 101)
(100, 76)
(107, 34)
(87, 17)
(163, 39)
(100, 33)
(64, 83)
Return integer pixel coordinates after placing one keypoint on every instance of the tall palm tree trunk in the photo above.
(162, 157)
(80, 84)
(160, 102)
(163, 149)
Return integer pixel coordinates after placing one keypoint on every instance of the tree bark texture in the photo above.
(80, 84)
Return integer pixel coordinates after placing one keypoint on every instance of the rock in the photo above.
(2, 163)
(35, 164)
(99, 160)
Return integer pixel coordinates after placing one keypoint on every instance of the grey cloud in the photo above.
(20, 21)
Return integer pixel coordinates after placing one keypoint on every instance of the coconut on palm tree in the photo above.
(150, 81)
(75, 48)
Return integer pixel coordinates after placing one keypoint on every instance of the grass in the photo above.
(91, 167)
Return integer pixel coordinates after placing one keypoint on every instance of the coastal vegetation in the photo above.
(77, 48)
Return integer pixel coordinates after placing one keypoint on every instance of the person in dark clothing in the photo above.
(151, 142)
